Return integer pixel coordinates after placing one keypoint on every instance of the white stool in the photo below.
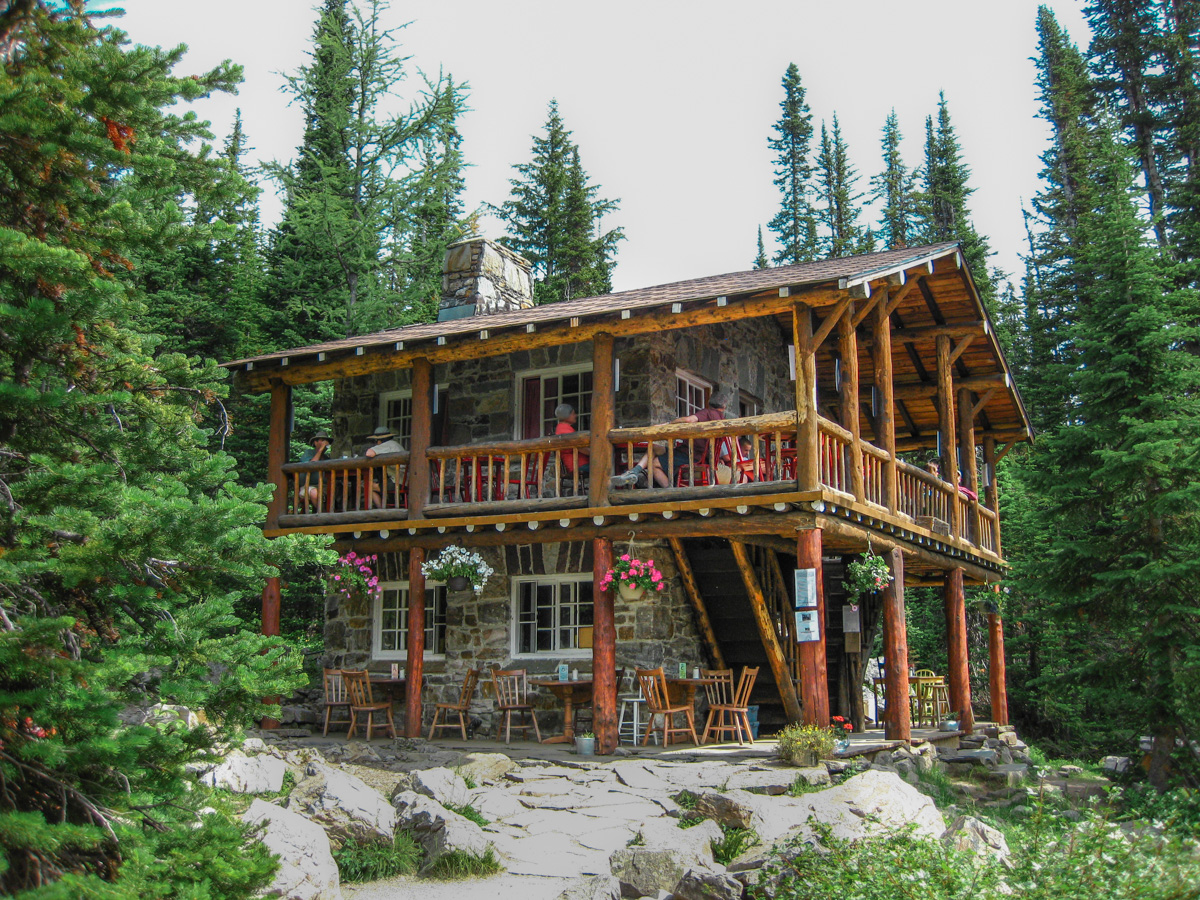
(631, 707)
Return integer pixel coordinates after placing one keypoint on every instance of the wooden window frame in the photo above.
(555, 580)
(683, 404)
(386, 397)
(519, 406)
(748, 404)
(435, 598)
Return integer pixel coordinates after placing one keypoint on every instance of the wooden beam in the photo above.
(692, 589)
(839, 529)
(868, 307)
(1003, 451)
(982, 401)
(956, 647)
(277, 450)
(814, 664)
(881, 359)
(898, 297)
(895, 653)
(966, 441)
(996, 670)
(930, 333)
(827, 324)
(923, 390)
(848, 351)
(419, 440)
(600, 460)
(766, 631)
(604, 650)
(414, 664)
(961, 346)
(384, 357)
(946, 429)
(808, 471)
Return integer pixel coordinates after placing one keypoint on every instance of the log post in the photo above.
(277, 451)
(996, 674)
(945, 408)
(692, 589)
(768, 634)
(814, 666)
(418, 443)
(966, 454)
(271, 605)
(414, 666)
(808, 439)
(848, 352)
(956, 639)
(600, 463)
(881, 357)
(991, 494)
(604, 647)
(898, 726)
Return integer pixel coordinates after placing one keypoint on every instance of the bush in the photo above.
(372, 860)
(1177, 810)
(797, 741)
(734, 842)
(461, 864)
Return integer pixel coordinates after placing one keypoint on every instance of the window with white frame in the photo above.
(748, 404)
(553, 615)
(540, 393)
(389, 637)
(691, 392)
(395, 413)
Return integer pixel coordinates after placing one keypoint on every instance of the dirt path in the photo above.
(498, 887)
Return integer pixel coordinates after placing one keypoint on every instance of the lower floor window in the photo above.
(553, 615)
(391, 621)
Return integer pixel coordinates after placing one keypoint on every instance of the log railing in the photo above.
(923, 495)
(834, 453)
(874, 474)
(989, 528)
(508, 470)
(779, 604)
(349, 485)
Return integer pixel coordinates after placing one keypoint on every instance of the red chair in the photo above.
(701, 472)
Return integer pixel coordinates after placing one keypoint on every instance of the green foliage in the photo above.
(459, 864)
(795, 224)
(796, 741)
(802, 786)
(893, 190)
(467, 811)
(1177, 811)
(359, 861)
(690, 821)
(760, 258)
(686, 800)
(733, 843)
(938, 786)
(836, 187)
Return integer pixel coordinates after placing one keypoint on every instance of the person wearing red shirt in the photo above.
(567, 417)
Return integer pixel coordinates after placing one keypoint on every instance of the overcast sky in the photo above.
(671, 103)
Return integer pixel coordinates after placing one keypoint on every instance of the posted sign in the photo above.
(806, 588)
(808, 625)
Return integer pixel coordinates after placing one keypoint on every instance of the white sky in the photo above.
(671, 103)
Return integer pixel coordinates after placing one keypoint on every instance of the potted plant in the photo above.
(633, 577)
(585, 744)
(868, 574)
(354, 582)
(459, 569)
(842, 729)
(803, 745)
(950, 723)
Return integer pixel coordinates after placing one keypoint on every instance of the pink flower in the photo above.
(656, 576)
(337, 577)
(625, 558)
(660, 587)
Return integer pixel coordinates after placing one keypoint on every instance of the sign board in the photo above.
(851, 621)
(808, 625)
(806, 588)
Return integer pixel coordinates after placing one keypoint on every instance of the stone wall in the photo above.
(486, 276)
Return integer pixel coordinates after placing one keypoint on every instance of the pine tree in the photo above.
(760, 259)
(553, 217)
(794, 225)
(836, 180)
(893, 189)
(114, 509)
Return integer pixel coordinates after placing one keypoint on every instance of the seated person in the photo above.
(382, 440)
(714, 412)
(567, 418)
(317, 452)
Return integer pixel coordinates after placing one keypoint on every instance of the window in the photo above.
(691, 391)
(395, 412)
(389, 639)
(554, 615)
(748, 404)
(542, 392)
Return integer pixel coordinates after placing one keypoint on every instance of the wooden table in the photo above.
(572, 694)
(915, 682)
(684, 689)
(392, 687)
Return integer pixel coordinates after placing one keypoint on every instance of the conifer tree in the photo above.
(760, 259)
(795, 224)
(554, 219)
(837, 180)
(893, 189)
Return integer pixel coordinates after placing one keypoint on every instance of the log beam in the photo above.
(692, 589)
(931, 333)
(898, 726)
(828, 323)
(604, 650)
(946, 429)
(956, 640)
(414, 665)
(925, 389)
(848, 351)
(996, 669)
(767, 633)
(814, 664)
(808, 438)
(277, 450)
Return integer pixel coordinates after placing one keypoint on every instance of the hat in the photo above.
(321, 435)
(382, 433)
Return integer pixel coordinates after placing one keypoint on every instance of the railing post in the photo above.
(945, 407)
(848, 351)
(885, 417)
(277, 450)
(808, 439)
(418, 445)
(600, 450)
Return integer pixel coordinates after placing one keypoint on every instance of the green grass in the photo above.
(690, 821)
(686, 800)
(937, 785)
(467, 811)
(733, 843)
(801, 786)
(458, 864)
(372, 860)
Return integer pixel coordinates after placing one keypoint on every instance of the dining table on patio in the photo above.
(915, 684)
(572, 694)
(392, 688)
(683, 690)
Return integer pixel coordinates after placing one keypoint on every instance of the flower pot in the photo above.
(805, 759)
(458, 583)
(841, 745)
(948, 725)
(585, 746)
(630, 593)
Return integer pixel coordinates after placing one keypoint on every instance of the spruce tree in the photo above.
(553, 218)
(893, 189)
(795, 224)
(837, 180)
(760, 258)
(114, 509)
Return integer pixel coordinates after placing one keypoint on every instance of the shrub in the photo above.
(372, 860)
(461, 864)
(797, 741)
(733, 843)
(467, 811)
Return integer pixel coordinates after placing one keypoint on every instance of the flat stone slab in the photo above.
(980, 757)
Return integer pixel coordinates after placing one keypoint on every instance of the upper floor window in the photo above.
(389, 637)
(541, 392)
(691, 392)
(396, 410)
(553, 615)
(748, 404)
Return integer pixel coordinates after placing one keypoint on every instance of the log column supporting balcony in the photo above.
(848, 353)
(885, 416)
(808, 473)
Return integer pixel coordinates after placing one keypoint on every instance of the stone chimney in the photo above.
(479, 277)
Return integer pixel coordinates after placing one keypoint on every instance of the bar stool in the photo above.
(629, 717)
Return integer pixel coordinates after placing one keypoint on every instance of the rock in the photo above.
(247, 774)
(254, 745)
(817, 775)
(875, 802)
(344, 805)
(1115, 765)
(1071, 815)
(735, 809)
(638, 776)
(436, 828)
(701, 884)
(665, 854)
(882, 758)
(979, 757)
(969, 834)
(1009, 775)
(484, 768)
(444, 786)
(598, 887)
(306, 867)
(906, 769)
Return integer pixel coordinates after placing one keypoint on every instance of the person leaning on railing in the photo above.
(567, 418)
(714, 412)
(382, 440)
(315, 453)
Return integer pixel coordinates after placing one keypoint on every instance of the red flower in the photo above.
(848, 727)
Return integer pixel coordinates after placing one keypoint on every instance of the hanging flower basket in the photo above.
(868, 574)
(459, 569)
(633, 577)
(630, 591)
(354, 582)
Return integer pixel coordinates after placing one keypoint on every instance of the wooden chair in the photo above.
(512, 696)
(658, 703)
(462, 707)
(701, 470)
(719, 693)
(732, 716)
(921, 697)
(362, 703)
(336, 698)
